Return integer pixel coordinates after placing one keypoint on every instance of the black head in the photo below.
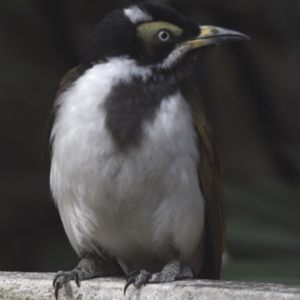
(153, 35)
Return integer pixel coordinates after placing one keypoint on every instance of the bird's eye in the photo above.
(164, 35)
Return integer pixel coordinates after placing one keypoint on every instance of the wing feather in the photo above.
(210, 182)
(69, 78)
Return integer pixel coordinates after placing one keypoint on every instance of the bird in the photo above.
(135, 170)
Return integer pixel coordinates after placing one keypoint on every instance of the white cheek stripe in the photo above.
(136, 15)
(173, 57)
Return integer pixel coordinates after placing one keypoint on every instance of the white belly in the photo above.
(133, 204)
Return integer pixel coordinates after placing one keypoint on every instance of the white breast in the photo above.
(141, 201)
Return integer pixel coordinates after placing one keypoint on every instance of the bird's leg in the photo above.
(170, 272)
(90, 266)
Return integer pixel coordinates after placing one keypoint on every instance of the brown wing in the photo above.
(69, 78)
(211, 186)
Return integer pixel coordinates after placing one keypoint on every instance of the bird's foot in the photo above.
(63, 277)
(137, 278)
(170, 272)
(90, 266)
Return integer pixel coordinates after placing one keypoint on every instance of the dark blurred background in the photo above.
(251, 91)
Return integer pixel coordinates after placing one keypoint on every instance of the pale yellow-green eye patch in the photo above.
(148, 31)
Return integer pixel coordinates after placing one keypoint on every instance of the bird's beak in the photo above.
(211, 35)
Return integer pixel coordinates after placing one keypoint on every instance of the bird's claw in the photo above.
(57, 286)
(137, 278)
(128, 283)
(77, 279)
(62, 278)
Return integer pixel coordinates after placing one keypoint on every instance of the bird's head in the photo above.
(154, 36)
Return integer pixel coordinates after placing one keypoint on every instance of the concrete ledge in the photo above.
(32, 286)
